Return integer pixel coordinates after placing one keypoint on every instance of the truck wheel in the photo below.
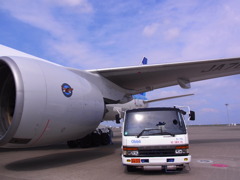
(131, 168)
(180, 167)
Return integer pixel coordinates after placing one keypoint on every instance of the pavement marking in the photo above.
(219, 165)
(204, 161)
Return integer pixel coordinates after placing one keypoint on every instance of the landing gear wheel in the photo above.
(85, 142)
(72, 144)
(105, 139)
(96, 139)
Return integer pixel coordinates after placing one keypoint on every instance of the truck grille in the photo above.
(156, 152)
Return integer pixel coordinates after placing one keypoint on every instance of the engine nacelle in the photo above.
(43, 103)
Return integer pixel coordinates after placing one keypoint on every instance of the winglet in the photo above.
(142, 96)
(144, 61)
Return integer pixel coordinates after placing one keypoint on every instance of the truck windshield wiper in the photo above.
(146, 129)
(165, 133)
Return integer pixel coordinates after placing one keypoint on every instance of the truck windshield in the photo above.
(154, 122)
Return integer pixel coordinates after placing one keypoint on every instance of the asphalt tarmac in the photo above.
(215, 154)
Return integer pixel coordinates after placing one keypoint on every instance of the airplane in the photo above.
(116, 111)
(43, 103)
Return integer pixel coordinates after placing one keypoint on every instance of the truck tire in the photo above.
(180, 168)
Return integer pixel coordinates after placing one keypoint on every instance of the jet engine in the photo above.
(43, 103)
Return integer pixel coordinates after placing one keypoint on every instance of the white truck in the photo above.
(156, 139)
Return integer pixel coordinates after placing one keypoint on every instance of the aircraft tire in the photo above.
(96, 139)
(72, 144)
(85, 142)
(105, 139)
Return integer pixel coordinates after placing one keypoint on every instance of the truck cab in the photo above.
(156, 139)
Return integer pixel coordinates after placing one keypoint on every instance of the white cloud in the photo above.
(69, 2)
(36, 14)
(150, 30)
(63, 42)
(196, 31)
(78, 55)
(209, 110)
(83, 5)
(172, 33)
(165, 32)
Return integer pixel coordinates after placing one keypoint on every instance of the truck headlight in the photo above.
(130, 151)
(181, 150)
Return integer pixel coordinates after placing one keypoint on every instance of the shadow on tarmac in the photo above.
(73, 156)
(50, 147)
(155, 173)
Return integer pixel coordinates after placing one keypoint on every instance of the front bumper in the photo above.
(156, 161)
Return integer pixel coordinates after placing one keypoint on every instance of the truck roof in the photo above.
(154, 109)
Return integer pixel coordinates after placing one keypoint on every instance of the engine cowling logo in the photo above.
(67, 90)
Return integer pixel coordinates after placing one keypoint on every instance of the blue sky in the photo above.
(90, 34)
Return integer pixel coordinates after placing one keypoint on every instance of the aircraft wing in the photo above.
(149, 77)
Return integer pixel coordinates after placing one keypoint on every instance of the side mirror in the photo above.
(192, 115)
(117, 117)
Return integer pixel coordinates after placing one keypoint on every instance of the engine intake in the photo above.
(9, 98)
